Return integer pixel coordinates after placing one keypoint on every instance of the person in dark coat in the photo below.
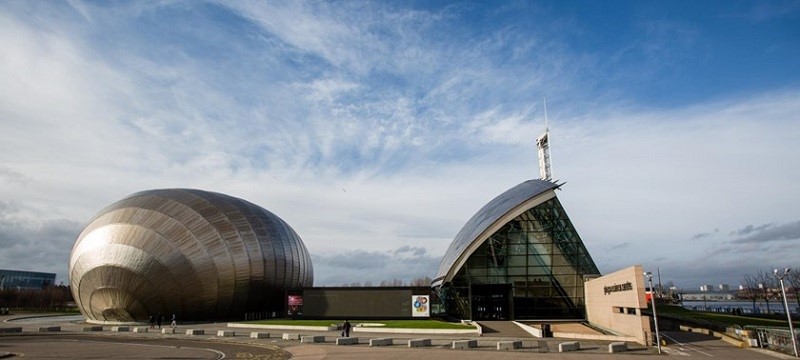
(159, 320)
(346, 328)
(152, 322)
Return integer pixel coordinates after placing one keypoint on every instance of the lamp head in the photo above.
(775, 271)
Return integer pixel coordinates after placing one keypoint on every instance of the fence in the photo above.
(775, 338)
(261, 315)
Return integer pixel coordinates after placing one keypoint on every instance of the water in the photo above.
(775, 307)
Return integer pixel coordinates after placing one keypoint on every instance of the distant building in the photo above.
(705, 288)
(17, 279)
(724, 287)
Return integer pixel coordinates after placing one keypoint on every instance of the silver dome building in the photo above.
(200, 255)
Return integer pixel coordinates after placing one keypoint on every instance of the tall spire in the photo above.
(543, 147)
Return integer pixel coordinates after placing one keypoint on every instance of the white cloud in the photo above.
(362, 131)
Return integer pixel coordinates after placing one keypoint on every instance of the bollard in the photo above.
(419, 342)
(465, 344)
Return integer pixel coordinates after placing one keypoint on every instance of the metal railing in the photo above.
(774, 338)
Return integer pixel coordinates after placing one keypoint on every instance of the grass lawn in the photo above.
(719, 318)
(398, 324)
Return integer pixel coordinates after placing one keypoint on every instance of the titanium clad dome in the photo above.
(200, 255)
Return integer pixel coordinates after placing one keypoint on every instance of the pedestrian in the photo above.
(159, 320)
(152, 322)
(346, 328)
(174, 323)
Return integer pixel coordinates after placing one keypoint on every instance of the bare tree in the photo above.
(794, 282)
(750, 289)
(421, 281)
(767, 284)
(393, 282)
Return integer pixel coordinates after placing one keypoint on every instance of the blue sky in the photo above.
(376, 129)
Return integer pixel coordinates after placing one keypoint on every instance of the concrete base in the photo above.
(289, 336)
(381, 342)
(259, 335)
(509, 345)
(195, 332)
(226, 333)
(168, 330)
(569, 346)
(419, 342)
(347, 341)
(49, 328)
(616, 347)
(92, 328)
(120, 329)
(312, 339)
(465, 344)
(140, 329)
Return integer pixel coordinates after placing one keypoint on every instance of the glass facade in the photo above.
(15, 279)
(533, 267)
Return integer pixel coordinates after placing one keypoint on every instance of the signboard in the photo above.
(420, 306)
(295, 303)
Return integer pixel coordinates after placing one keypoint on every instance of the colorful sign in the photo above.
(295, 300)
(295, 303)
(420, 306)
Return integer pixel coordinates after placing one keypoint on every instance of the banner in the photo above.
(295, 303)
(420, 306)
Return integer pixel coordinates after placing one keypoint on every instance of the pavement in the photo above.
(72, 343)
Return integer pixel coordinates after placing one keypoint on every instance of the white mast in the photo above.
(543, 147)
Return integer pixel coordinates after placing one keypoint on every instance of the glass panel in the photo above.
(540, 254)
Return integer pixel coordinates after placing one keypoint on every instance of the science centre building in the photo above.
(208, 256)
(197, 254)
(518, 257)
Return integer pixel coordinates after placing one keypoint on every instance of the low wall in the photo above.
(283, 327)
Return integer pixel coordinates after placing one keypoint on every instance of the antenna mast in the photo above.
(543, 147)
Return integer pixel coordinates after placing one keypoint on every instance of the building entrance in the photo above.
(491, 302)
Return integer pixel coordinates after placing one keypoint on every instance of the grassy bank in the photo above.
(721, 319)
(397, 324)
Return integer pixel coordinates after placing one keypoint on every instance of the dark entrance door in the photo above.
(491, 302)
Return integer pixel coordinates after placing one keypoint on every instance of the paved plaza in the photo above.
(72, 342)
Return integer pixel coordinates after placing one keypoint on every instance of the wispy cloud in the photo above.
(421, 114)
(769, 233)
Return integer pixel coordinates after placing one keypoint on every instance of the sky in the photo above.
(376, 129)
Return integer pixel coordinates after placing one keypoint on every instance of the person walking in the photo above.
(346, 328)
(159, 320)
(174, 323)
(152, 322)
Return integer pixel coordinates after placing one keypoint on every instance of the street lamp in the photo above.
(786, 306)
(649, 276)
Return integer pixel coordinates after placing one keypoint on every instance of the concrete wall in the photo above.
(360, 303)
(615, 301)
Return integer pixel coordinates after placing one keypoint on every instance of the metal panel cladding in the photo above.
(200, 255)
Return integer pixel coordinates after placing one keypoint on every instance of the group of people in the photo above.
(158, 319)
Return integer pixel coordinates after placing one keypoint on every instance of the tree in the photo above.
(750, 289)
(767, 282)
(794, 282)
(421, 281)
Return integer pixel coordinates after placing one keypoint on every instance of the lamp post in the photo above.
(786, 306)
(649, 276)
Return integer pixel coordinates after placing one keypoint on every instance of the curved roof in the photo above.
(476, 230)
